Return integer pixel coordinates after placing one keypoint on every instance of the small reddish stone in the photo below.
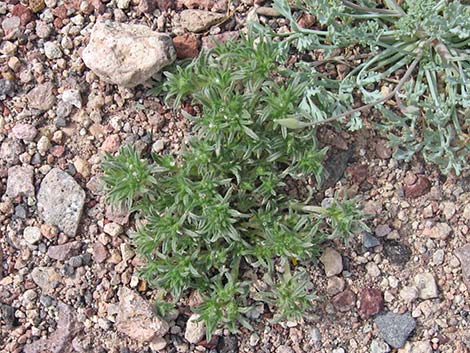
(358, 173)
(147, 6)
(186, 46)
(165, 5)
(99, 252)
(98, 6)
(25, 14)
(58, 24)
(211, 344)
(382, 149)
(344, 301)
(57, 151)
(371, 302)
(307, 20)
(111, 144)
(60, 12)
(420, 188)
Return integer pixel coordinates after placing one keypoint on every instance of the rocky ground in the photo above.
(68, 275)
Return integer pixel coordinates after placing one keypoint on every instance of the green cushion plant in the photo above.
(226, 205)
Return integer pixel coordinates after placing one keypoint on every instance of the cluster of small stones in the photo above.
(68, 275)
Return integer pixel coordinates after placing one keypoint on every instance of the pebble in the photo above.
(439, 231)
(7, 88)
(254, 339)
(186, 46)
(463, 255)
(158, 146)
(199, 20)
(284, 349)
(409, 294)
(113, 229)
(75, 261)
(195, 330)
(332, 262)
(24, 132)
(335, 285)
(46, 278)
(64, 251)
(110, 57)
(438, 257)
(20, 181)
(369, 241)
(398, 253)
(52, 50)
(99, 252)
(136, 318)
(379, 346)
(395, 328)
(32, 235)
(228, 344)
(382, 230)
(426, 285)
(43, 145)
(419, 188)
(372, 269)
(61, 201)
(10, 150)
(371, 302)
(42, 96)
(72, 97)
(344, 301)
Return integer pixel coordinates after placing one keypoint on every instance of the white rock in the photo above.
(127, 54)
(52, 50)
(113, 229)
(372, 269)
(195, 329)
(73, 97)
(43, 145)
(409, 294)
(426, 285)
(32, 235)
(123, 4)
(379, 346)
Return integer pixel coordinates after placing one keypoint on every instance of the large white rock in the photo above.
(127, 54)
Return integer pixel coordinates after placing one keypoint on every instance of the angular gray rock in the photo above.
(136, 318)
(395, 328)
(60, 201)
(20, 181)
(127, 54)
(199, 20)
(68, 327)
